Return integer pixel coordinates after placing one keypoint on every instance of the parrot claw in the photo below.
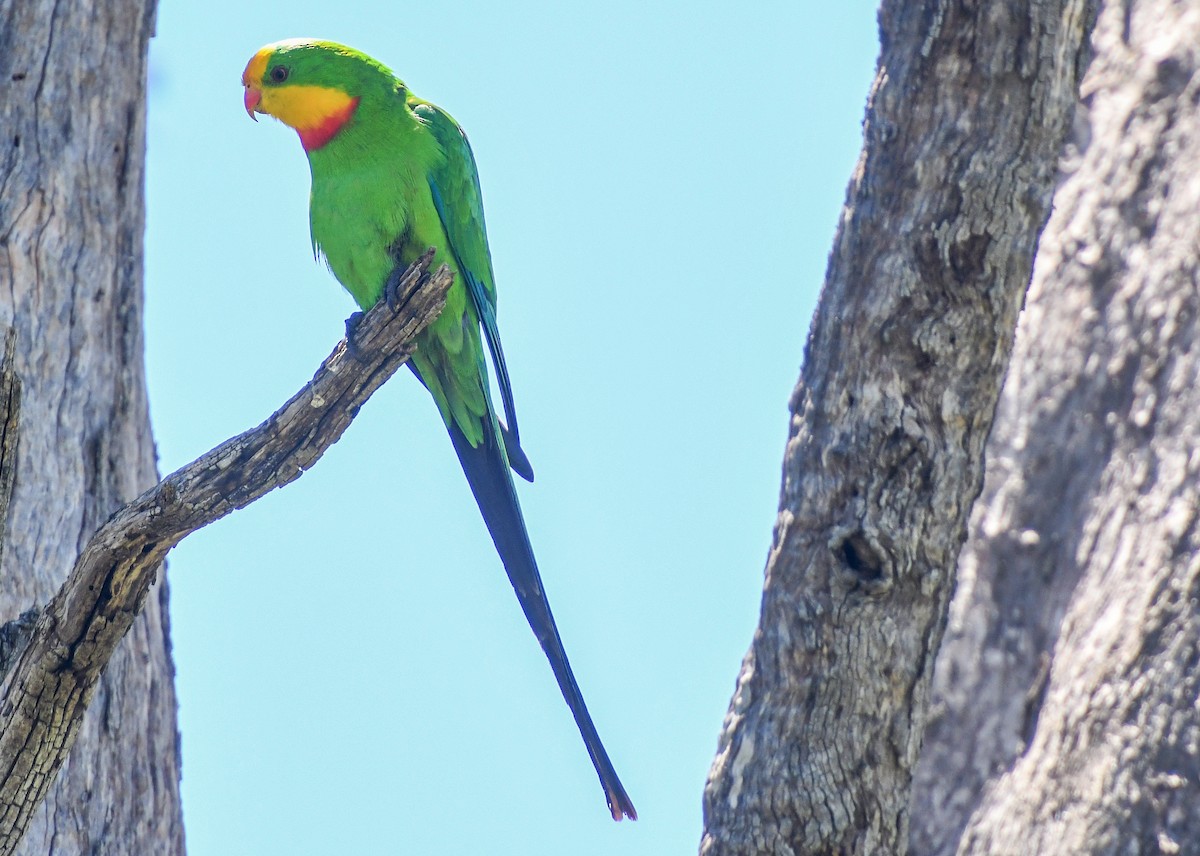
(352, 328)
(399, 288)
(391, 290)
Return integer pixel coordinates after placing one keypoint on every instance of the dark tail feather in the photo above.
(497, 499)
(517, 459)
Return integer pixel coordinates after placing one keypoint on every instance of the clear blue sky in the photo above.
(662, 183)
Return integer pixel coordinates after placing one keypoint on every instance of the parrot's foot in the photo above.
(398, 287)
(351, 329)
(391, 289)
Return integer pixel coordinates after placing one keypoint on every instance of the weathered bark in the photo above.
(51, 684)
(965, 124)
(72, 116)
(1067, 687)
(14, 635)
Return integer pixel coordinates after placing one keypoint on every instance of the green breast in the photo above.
(356, 216)
(368, 215)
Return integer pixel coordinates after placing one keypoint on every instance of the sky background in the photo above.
(662, 183)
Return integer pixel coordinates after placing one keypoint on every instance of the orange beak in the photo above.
(252, 98)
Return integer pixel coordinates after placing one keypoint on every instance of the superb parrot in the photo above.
(393, 175)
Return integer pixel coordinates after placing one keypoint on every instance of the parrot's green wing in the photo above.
(454, 186)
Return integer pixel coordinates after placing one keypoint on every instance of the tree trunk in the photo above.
(902, 371)
(72, 110)
(1066, 691)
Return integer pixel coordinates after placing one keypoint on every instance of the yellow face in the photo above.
(305, 108)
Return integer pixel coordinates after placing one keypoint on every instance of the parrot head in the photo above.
(312, 86)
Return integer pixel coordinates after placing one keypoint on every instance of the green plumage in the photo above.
(372, 207)
(397, 178)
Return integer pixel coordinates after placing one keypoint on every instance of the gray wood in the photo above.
(72, 147)
(965, 123)
(52, 681)
(1067, 687)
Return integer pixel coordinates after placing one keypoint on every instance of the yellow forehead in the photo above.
(257, 66)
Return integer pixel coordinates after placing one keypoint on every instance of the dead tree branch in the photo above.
(51, 684)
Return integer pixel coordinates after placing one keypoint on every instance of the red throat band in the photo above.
(318, 135)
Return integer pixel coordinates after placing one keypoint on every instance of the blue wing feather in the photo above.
(486, 308)
(468, 244)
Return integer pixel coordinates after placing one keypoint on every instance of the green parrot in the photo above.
(393, 175)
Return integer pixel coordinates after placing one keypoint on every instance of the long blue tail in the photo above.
(488, 474)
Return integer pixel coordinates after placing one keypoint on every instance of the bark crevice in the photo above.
(1065, 689)
(902, 372)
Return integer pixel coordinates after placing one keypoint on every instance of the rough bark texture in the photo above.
(52, 682)
(72, 111)
(1067, 688)
(966, 120)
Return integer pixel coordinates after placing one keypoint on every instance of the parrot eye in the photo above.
(279, 74)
